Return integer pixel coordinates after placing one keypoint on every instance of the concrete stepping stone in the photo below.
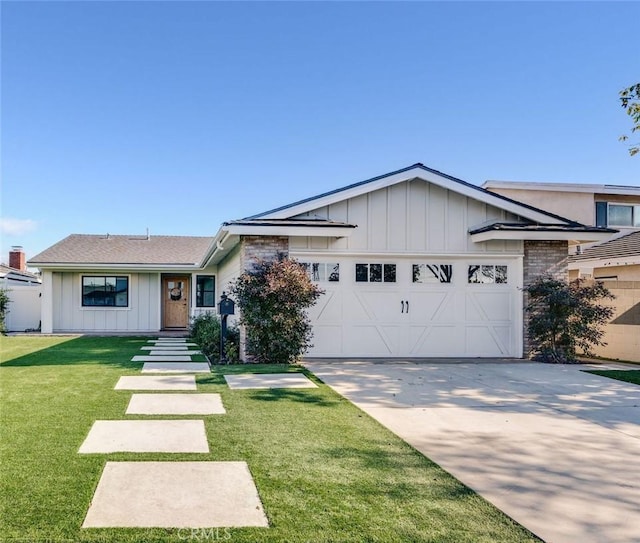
(171, 436)
(269, 380)
(161, 358)
(175, 404)
(171, 352)
(176, 367)
(175, 495)
(187, 343)
(169, 339)
(162, 347)
(156, 382)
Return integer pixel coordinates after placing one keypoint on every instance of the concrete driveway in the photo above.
(555, 448)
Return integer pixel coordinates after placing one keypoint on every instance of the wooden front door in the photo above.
(175, 302)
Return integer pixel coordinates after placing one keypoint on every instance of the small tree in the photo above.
(630, 102)
(273, 299)
(4, 308)
(566, 317)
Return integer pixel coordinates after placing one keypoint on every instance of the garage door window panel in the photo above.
(432, 273)
(487, 274)
(375, 273)
(320, 272)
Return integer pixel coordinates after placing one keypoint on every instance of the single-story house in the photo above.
(414, 263)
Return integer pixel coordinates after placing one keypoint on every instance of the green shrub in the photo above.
(566, 317)
(205, 331)
(273, 299)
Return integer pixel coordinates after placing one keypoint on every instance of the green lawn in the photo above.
(325, 471)
(629, 376)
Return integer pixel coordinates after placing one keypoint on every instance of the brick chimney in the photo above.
(17, 259)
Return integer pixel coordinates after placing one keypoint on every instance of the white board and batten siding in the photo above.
(429, 307)
(141, 315)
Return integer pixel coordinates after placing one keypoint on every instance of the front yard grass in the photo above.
(629, 376)
(325, 471)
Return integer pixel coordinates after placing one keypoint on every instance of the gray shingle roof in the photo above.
(110, 249)
(627, 245)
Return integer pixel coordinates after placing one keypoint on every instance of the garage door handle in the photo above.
(407, 306)
(402, 302)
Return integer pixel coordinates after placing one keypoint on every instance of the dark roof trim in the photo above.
(290, 222)
(427, 169)
(519, 227)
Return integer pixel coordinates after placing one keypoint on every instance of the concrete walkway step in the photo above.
(161, 358)
(175, 404)
(156, 382)
(176, 367)
(176, 495)
(168, 436)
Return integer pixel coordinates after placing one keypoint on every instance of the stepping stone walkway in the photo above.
(175, 495)
(161, 358)
(176, 367)
(168, 494)
(175, 404)
(156, 382)
(269, 380)
(171, 436)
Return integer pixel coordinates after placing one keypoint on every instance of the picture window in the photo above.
(105, 291)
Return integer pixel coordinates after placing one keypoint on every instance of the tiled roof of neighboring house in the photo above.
(622, 246)
(110, 249)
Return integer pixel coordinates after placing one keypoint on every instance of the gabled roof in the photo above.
(621, 249)
(110, 250)
(415, 171)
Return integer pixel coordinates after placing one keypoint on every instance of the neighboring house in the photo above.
(617, 264)
(615, 261)
(612, 206)
(24, 291)
(414, 263)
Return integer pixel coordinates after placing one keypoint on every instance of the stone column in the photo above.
(542, 258)
(253, 249)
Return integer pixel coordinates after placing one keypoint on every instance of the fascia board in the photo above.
(413, 173)
(310, 231)
(605, 262)
(563, 187)
(539, 236)
(53, 266)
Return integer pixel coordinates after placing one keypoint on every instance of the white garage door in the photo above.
(416, 307)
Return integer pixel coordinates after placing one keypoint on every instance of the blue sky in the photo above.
(176, 116)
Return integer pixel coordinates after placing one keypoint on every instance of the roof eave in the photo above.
(54, 266)
(604, 262)
(539, 235)
(290, 230)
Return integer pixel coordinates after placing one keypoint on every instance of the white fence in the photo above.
(24, 308)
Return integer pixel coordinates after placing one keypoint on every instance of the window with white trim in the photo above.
(105, 291)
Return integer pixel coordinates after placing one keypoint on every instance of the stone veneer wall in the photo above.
(252, 249)
(542, 258)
